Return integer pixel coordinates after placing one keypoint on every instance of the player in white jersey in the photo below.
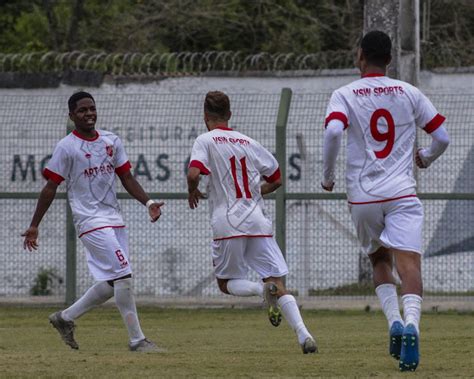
(381, 116)
(88, 160)
(243, 236)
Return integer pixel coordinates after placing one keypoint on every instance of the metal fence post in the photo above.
(282, 119)
(70, 247)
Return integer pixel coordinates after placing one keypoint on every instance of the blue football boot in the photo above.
(395, 343)
(409, 355)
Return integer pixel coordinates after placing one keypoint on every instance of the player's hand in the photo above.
(155, 211)
(193, 198)
(31, 238)
(419, 160)
(327, 187)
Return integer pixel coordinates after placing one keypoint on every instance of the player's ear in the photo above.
(229, 115)
(71, 116)
(359, 58)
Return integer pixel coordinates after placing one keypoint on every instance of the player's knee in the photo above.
(281, 288)
(407, 270)
(409, 263)
(380, 259)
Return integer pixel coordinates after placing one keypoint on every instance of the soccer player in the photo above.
(242, 234)
(88, 160)
(381, 116)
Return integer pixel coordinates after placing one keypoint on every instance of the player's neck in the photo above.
(86, 134)
(218, 125)
(371, 70)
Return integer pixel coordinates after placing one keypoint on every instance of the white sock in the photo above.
(125, 302)
(242, 287)
(412, 310)
(387, 294)
(99, 293)
(290, 310)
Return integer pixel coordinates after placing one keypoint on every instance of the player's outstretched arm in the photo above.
(45, 199)
(270, 187)
(332, 144)
(424, 157)
(136, 190)
(193, 183)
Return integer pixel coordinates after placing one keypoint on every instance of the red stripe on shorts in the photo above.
(381, 201)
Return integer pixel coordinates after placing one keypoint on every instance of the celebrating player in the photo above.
(381, 116)
(88, 160)
(243, 236)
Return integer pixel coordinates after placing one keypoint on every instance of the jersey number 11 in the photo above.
(245, 177)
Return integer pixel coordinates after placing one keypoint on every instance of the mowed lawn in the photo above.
(227, 343)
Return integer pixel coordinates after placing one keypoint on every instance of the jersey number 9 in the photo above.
(388, 136)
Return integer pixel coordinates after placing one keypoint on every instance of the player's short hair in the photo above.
(377, 48)
(217, 105)
(72, 102)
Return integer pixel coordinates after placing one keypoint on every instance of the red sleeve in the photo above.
(123, 169)
(337, 116)
(200, 166)
(434, 124)
(50, 175)
(274, 177)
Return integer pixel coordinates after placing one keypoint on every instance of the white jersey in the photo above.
(236, 165)
(89, 168)
(381, 115)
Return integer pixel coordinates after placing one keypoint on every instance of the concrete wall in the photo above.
(173, 258)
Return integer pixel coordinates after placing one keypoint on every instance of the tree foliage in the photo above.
(250, 26)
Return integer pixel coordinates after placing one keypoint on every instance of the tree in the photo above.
(250, 26)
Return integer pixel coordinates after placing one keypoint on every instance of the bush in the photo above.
(46, 281)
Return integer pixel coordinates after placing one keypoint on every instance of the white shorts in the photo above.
(107, 253)
(232, 258)
(396, 224)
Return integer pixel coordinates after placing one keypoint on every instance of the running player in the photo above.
(243, 236)
(88, 159)
(381, 116)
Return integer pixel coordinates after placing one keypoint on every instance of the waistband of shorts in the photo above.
(244, 236)
(381, 201)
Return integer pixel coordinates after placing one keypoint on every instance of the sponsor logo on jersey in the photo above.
(110, 150)
(99, 170)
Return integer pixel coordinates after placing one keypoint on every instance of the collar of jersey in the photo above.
(84, 138)
(371, 75)
(222, 127)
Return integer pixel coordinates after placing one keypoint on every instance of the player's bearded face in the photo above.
(85, 115)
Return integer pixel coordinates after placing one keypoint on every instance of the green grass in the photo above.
(228, 343)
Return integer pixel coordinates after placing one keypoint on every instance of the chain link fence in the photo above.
(172, 258)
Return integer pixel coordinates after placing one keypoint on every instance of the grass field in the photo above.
(228, 343)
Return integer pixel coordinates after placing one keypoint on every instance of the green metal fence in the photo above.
(171, 258)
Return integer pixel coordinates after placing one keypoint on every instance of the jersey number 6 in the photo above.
(119, 255)
(245, 177)
(388, 136)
